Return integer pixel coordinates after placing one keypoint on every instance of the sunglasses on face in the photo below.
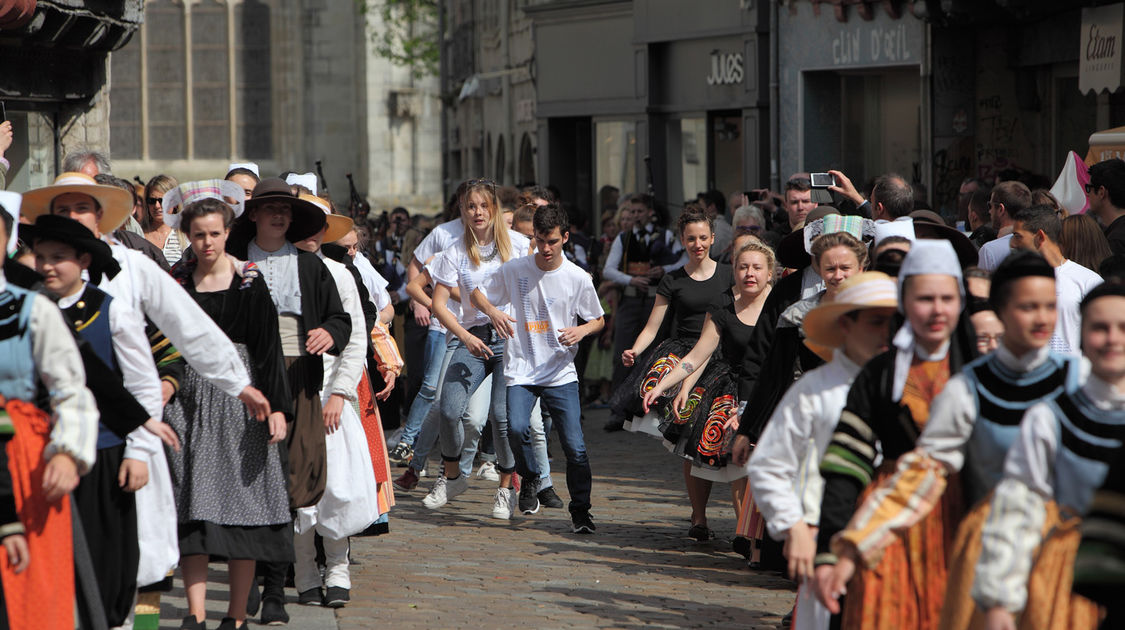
(152, 201)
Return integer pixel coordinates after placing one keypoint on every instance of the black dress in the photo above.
(698, 431)
(230, 483)
(689, 301)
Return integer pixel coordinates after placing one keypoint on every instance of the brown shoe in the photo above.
(408, 481)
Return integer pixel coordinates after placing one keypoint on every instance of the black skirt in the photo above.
(647, 371)
(264, 543)
(109, 520)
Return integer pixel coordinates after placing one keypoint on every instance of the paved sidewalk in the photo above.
(459, 568)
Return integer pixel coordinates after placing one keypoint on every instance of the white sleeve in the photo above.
(952, 416)
(495, 287)
(75, 429)
(775, 464)
(612, 261)
(425, 249)
(443, 270)
(1014, 527)
(587, 304)
(134, 358)
(198, 338)
(343, 373)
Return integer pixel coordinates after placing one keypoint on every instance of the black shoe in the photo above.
(336, 597)
(190, 623)
(401, 454)
(787, 620)
(254, 599)
(229, 623)
(702, 533)
(583, 524)
(742, 546)
(311, 597)
(614, 424)
(549, 498)
(273, 613)
(529, 502)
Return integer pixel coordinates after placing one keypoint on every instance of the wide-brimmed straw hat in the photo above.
(338, 225)
(116, 203)
(50, 227)
(308, 217)
(181, 196)
(870, 289)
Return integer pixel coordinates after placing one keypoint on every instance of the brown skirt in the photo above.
(1050, 602)
(307, 460)
(906, 589)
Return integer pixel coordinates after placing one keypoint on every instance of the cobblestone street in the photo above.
(459, 568)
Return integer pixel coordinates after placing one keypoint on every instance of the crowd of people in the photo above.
(922, 424)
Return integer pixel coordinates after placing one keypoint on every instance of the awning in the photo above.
(1099, 50)
(1105, 145)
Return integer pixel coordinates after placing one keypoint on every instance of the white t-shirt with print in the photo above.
(542, 302)
(438, 240)
(1072, 283)
(452, 267)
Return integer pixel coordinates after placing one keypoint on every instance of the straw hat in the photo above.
(181, 196)
(116, 203)
(338, 225)
(870, 289)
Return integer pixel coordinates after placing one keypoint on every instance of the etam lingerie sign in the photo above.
(1099, 55)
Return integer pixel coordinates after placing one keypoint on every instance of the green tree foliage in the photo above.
(409, 33)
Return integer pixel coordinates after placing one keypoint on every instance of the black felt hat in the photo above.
(53, 227)
(308, 218)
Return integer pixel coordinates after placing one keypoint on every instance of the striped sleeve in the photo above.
(386, 351)
(169, 363)
(849, 461)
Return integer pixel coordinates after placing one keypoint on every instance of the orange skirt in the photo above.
(376, 443)
(1050, 602)
(750, 522)
(42, 597)
(906, 590)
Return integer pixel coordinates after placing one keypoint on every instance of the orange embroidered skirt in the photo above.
(42, 597)
(1050, 602)
(906, 590)
(376, 443)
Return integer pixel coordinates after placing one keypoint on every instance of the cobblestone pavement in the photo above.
(459, 568)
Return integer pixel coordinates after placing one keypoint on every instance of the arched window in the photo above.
(527, 160)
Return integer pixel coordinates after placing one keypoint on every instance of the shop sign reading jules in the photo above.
(876, 45)
(726, 68)
(1099, 62)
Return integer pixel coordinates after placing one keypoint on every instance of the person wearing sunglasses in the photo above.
(1106, 193)
(1006, 200)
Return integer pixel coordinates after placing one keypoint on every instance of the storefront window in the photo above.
(693, 142)
(616, 159)
(726, 152)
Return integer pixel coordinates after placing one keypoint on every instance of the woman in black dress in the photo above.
(705, 383)
(230, 484)
(687, 295)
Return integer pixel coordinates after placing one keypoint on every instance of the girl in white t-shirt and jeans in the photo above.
(485, 245)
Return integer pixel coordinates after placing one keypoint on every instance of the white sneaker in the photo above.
(502, 506)
(488, 471)
(437, 496)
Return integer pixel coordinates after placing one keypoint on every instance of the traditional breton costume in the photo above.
(784, 467)
(973, 423)
(887, 407)
(39, 366)
(1099, 567)
(116, 333)
(350, 502)
(305, 297)
(1029, 542)
(147, 288)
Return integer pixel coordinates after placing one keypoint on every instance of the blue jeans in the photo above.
(462, 379)
(432, 360)
(475, 414)
(563, 403)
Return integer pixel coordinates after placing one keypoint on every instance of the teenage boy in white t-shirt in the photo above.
(548, 294)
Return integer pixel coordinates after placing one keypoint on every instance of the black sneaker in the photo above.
(401, 454)
(190, 623)
(311, 597)
(273, 613)
(529, 502)
(336, 597)
(549, 498)
(614, 424)
(583, 524)
(229, 623)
